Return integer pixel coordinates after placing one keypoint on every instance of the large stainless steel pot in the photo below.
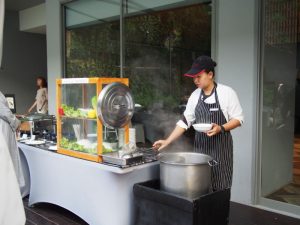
(186, 173)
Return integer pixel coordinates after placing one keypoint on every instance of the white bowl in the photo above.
(202, 127)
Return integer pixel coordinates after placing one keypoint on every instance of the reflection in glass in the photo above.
(92, 39)
(160, 40)
(160, 45)
(280, 179)
(79, 124)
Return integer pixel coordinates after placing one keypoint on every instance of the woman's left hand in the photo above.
(214, 130)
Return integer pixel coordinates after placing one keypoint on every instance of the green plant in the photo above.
(73, 145)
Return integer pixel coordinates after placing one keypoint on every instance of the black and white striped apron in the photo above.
(219, 146)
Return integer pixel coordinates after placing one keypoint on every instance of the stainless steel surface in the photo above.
(115, 105)
(124, 158)
(144, 151)
(38, 123)
(186, 173)
(117, 158)
(37, 117)
(44, 146)
(149, 154)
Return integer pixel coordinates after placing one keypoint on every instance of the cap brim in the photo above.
(192, 74)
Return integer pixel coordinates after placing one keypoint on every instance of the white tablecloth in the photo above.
(11, 206)
(99, 194)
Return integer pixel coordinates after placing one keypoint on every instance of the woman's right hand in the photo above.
(160, 144)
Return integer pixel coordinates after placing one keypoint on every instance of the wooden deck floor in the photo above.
(47, 214)
(296, 160)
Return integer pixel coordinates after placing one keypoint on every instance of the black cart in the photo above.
(156, 207)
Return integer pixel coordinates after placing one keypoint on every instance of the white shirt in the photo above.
(42, 100)
(228, 100)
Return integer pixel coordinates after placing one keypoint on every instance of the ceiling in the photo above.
(17, 5)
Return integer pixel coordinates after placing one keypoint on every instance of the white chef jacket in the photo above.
(11, 205)
(228, 100)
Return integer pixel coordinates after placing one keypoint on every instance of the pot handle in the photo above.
(212, 163)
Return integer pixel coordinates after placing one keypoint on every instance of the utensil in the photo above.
(147, 151)
(121, 135)
(53, 148)
(122, 160)
(37, 117)
(35, 142)
(24, 136)
(115, 105)
(128, 149)
(32, 137)
(77, 131)
(186, 173)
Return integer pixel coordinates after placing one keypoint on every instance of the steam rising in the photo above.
(155, 86)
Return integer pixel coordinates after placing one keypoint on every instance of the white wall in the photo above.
(33, 19)
(54, 49)
(236, 56)
(24, 58)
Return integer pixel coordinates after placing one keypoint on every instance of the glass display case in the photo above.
(80, 132)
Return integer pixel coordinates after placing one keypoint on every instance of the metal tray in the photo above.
(36, 117)
(117, 159)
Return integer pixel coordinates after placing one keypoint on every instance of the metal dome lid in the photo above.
(115, 105)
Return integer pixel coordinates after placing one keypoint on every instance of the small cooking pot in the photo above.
(186, 173)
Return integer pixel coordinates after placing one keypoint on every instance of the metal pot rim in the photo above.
(185, 164)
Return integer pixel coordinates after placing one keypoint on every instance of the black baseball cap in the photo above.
(200, 65)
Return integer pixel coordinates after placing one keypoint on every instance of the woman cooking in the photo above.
(218, 105)
(41, 99)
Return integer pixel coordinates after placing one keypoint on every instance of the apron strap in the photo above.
(213, 91)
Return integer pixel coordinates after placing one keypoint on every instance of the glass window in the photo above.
(153, 43)
(92, 38)
(280, 168)
(161, 42)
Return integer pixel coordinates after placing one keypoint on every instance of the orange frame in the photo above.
(100, 82)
